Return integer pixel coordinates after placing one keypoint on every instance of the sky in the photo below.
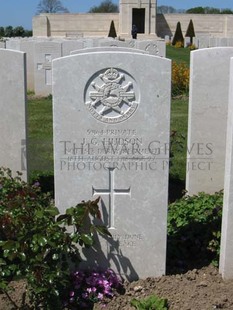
(20, 12)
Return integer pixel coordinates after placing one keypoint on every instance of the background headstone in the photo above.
(13, 150)
(226, 253)
(156, 47)
(2, 44)
(208, 104)
(45, 52)
(111, 135)
(108, 49)
(71, 45)
(27, 46)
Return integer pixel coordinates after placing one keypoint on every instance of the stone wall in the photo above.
(216, 25)
(62, 25)
(98, 24)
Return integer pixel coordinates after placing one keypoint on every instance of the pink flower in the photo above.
(100, 296)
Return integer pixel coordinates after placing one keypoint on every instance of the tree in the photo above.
(51, 6)
(105, 6)
(2, 32)
(164, 9)
(27, 33)
(8, 31)
(226, 11)
(208, 10)
(112, 30)
(196, 10)
(18, 31)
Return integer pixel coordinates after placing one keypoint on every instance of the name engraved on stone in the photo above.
(115, 100)
(111, 191)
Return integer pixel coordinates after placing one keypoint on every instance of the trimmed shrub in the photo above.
(190, 31)
(178, 37)
(112, 31)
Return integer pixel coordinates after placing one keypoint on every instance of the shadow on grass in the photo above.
(176, 189)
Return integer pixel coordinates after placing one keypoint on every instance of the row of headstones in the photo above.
(111, 131)
(205, 41)
(40, 53)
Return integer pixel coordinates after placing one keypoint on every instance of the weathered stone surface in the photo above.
(208, 104)
(226, 253)
(111, 135)
(13, 111)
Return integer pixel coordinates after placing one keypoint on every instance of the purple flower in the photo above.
(100, 296)
(90, 286)
(84, 295)
(72, 294)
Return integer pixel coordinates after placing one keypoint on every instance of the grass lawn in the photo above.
(40, 135)
(178, 54)
(179, 125)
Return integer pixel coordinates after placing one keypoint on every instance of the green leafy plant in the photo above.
(38, 244)
(194, 226)
(152, 302)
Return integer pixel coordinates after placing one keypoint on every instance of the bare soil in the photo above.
(197, 289)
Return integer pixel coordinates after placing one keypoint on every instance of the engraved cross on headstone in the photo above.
(47, 67)
(111, 191)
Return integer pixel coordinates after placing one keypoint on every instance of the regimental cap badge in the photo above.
(115, 100)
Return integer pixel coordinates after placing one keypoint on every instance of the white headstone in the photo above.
(13, 111)
(223, 42)
(226, 252)
(196, 42)
(116, 43)
(108, 49)
(27, 46)
(203, 42)
(71, 45)
(208, 102)
(45, 52)
(111, 134)
(156, 47)
(230, 41)
(167, 39)
(13, 44)
(2, 44)
(187, 41)
(213, 42)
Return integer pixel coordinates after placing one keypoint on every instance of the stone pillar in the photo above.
(40, 26)
(126, 16)
(153, 10)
